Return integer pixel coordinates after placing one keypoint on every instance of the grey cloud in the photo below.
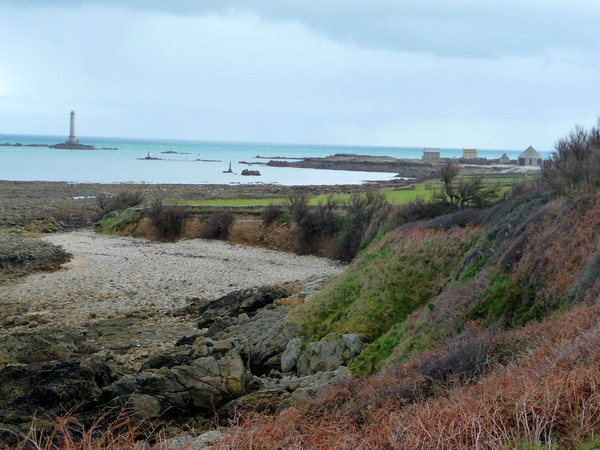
(470, 28)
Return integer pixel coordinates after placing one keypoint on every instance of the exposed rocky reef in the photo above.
(246, 355)
(404, 167)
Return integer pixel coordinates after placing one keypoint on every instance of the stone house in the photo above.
(530, 157)
(431, 154)
(469, 153)
(504, 159)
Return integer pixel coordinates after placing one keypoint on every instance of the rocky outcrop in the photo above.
(265, 338)
(254, 173)
(271, 392)
(21, 255)
(247, 355)
(185, 385)
(289, 357)
(405, 167)
(39, 389)
(231, 306)
(331, 352)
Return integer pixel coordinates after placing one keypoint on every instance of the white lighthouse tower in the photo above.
(72, 139)
(73, 142)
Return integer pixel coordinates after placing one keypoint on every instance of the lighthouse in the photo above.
(72, 139)
(73, 143)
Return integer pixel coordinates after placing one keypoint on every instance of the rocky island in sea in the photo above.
(71, 144)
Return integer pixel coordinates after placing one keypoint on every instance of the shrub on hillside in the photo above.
(297, 206)
(270, 213)
(419, 209)
(319, 221)
(106, 203)
(360, 210)
(466, 360)
(167, 219)
(523, 188)
(575, 161)
(471, 191)
(217, 226)
(461, 218)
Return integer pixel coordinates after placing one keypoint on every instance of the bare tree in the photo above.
(470, 191)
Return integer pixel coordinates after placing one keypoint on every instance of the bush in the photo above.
(418, 209)
(106, 203)
(271, 213)
(461, 218)
(470, 191)
(297, 206)
(321, 221)
(217, 226)
(360, 210)
(575, 161)
(465, 361)
(523, 188)
(127, 199)
(168, 219)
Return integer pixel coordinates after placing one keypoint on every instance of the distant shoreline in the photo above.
(61, 146)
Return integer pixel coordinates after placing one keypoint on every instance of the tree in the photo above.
(470, 191)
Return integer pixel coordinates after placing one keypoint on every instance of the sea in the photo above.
(190, 162)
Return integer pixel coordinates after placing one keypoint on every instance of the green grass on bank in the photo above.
(396, 196)
(382, 287)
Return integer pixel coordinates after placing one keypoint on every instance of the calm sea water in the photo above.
(188, 162)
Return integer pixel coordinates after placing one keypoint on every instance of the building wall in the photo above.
(431, 155)
(469, 153)
(530, 162)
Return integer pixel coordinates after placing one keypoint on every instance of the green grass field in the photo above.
(394, 196)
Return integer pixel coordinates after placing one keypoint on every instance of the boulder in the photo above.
(289, 358)
(41, 389)
(187, 383)
(331, 352)
(269, 394)
(264, 338)
(232, 305)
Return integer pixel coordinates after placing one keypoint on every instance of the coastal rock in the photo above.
(316, 384)
(183, 384)
(246, 301)
(264, 338)
(50, 388)
(289, 358)
(254, 173)
(331, 352)
(270, 394)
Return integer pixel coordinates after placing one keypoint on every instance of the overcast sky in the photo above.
(500, 74)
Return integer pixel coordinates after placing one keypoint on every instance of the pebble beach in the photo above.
(111, 276)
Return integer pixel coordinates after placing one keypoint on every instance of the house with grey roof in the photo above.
(469, 153)
(431, 154)
(530, 157)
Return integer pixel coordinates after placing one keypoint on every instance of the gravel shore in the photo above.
(110, 276)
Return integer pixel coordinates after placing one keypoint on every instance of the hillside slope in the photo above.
(498, 348)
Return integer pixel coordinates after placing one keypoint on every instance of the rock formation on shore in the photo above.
(245, 355)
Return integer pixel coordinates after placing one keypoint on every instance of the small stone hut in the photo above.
(469, 153)
(530, 157)
(431, 154)
(504, 159)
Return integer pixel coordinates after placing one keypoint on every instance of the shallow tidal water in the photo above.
(187, 162)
